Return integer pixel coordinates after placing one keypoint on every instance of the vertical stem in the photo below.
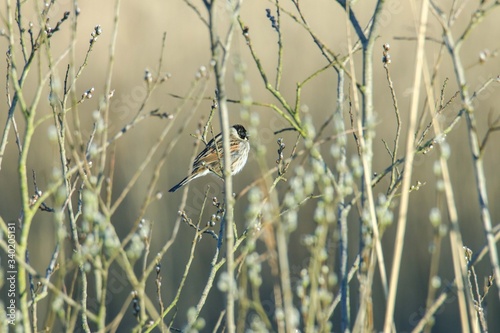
(457, 252)
(85, 322)
(342, 211)
(229, 214)
(476, 157)
(366, 146)
(26, 219)
(107, 88)
(220, 54)
(410, 153)
(26, 215)
(344, 273)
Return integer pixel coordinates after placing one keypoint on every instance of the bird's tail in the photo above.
(178, 186)
(181, 183)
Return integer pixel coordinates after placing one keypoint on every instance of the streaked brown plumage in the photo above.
(208, 159)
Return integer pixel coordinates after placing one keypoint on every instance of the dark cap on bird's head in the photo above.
(242, 132)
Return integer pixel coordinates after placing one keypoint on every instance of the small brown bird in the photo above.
(208, 160)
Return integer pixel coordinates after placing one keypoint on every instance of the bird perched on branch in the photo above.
(211, 158)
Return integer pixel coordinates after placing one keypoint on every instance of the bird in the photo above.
(210, 159)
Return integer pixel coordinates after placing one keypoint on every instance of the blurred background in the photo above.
(140, 31)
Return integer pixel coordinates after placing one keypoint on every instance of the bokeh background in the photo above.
(141, 26)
